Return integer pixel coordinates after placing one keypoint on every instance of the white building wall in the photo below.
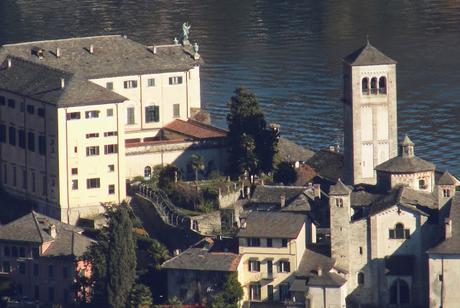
(444, 273)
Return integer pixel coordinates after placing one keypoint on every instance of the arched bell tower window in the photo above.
(383, 85)
(339, 202)
(374, 89)
(147, 172)
(399, 232)
(365, 86)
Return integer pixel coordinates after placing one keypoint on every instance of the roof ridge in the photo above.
(16, 58)
(36, 224)
(64, 39)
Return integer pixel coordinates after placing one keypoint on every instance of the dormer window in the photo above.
(399, 232)
(446, 193)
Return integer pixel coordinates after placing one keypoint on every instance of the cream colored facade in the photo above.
(321, 297)
(76, 160)
(292, 253)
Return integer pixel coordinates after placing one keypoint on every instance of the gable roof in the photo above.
(339, 189)
(114, 55)
(271, 194)
(43, 83)
(328, 164)
(273, 225)
(367, 55)
(292, 152)
(202, 257)
(447, 179)
(33, 228)
(195, 130)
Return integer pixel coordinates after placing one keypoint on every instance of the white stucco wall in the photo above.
(444, 293)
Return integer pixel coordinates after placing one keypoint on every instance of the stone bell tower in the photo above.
(370, 113)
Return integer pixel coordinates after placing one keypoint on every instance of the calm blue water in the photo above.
(289, 53)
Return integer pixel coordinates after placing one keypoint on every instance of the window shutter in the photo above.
(288, 266)
(157, 114)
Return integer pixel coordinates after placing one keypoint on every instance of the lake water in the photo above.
(289, 53)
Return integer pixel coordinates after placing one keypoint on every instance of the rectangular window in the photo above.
(14, 251)
(270, 292)
(12, 135)
(253, 242)
(284, 267)
(22, 267)
(73, 116)
(36, 269)
(176, 110)
(2, 133)
(2, 101)
(44, 185)
(31, 141)
(130, 84)
(269, 242)
(109, 134)
(110, 149)
(41, 112)
(22, 138)
(74, 184)
(130, 119)
(6, 251)
(92, 151)
(109, 85)
(35, 252)
(111, 189)
(175, 80)
(284, 291)
(30, 109)
(42, 145)
(151, 82)
(152, 114)
(74, 171)
(50, 271)
(111, 168)
(22, 252)
(254, 266)
(92, 114)
(93, 183)
(254, 292)
(284, 242)
(110, 112)
(92, 135)
(11, 103)
(6, 267)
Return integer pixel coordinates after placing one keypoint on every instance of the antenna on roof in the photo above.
(367, 40)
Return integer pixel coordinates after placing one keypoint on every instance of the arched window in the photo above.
(399, 230)
(399, 293)
(383, 85)
(365, 86)
(147, 172)
(360, 278)
(339, 202)
(374, 89)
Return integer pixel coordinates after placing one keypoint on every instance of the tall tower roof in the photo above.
(447, 179)
(339, 189)
(406, 141)
(367, 55)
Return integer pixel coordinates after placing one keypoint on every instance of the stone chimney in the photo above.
(8, 63)
(176, 252)
(448, 227)
(52, 231)
(154, 49)
(58, 52)
(317, 191)
(243, 223)
(320, 271)
(91, 48)
(62, 83)
(283, 200)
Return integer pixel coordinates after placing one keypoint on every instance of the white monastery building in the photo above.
(80, 116)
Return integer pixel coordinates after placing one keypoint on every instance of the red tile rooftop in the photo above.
(195, 129)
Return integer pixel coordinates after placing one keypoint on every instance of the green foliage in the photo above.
(140, 297)
(174, 302)
(113, 260)
(285, 173)
(157, 253)
(167, 177)
(231, 294)
(252, 146)
(196, 161)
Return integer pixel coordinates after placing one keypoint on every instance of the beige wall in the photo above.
(293, 253)
(164, 95)
(444, 293)
(327, 297)
(370, 123)
(73, 144)
(412, 180)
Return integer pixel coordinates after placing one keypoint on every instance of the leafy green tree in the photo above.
(252, 146)
(285, 173)
(167, 177)
(140, 297)
(230, 295)
(196, 161)
(174, 302)
(113, 260)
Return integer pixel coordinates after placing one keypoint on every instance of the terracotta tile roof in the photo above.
(195, 130)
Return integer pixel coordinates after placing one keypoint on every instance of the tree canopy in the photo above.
(252, 146)
(230, 295)
(285, 173)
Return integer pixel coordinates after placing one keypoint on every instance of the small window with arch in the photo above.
(383, 85)
(399, 232)
(374, 89)
(339, 202)
(365, 86)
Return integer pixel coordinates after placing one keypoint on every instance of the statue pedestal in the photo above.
(186, 42)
